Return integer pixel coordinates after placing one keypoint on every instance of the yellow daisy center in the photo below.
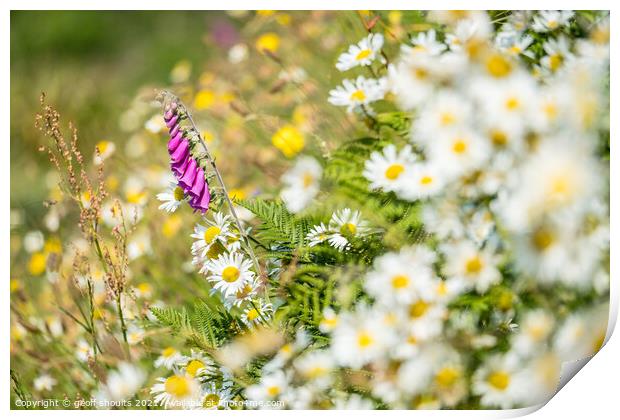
(316, 372)
(447, 118)
(230, 274)
(400, 281)
(364, 339)
(498, 66)
(542, 239)
(273, 390)
(211, 233)
(459, 146)
(418, 309)
(512, 103)
(447, 377)
(426, 180)
(348, 229)
(179, 194)
(393, 171)
(308, 179)
(499, 138)
(499, 380)
(252, 314)
(358, 95)
(363, 54)
(177, 386)
(194, 366)
(420, 73)
(474, 265)
(211, 400)
(168, 351)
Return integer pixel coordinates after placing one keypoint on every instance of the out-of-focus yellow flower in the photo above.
(135, 197)
(106, 149)
(85, 199)
(181, 71)
(283, 19)
(364, 12)
(395, 17)
(111, 183)
(204, 99)
(144, 290)
(15, 285)
(52, 245)
(265, 13)
(37, 264)
(237, 193)
(208, 136)
(171, 226)
(56, 193)
(269, 41)
(289, 140)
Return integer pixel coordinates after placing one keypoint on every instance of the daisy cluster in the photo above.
(503, 157)
(194, 382)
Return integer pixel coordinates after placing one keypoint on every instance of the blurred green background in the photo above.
(91, 65)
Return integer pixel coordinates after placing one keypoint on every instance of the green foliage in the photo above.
(277, 224)
(204, 326)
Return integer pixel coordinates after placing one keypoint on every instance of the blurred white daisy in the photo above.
(550, 20)
(301, 183)
(177, 391)
(475, 267)
(497, 382)
(257, 313)
(216, 231)
(169, 358)
(388, 168)
(317, 235)
(361, 54)
(122, 383)
(44, 382)
(358, 93)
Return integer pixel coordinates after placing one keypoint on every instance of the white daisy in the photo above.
(243, 295)
(558, 52)
(423, 180)
(172, 198)
(513, 43)
(582, 334)
(301, 183)
(361, 54)
(475, 267)
(360, 338)
(425, 42)
(196, 365)
(329, 321)
(353, 402)
(387, 169)
(215, 232)
(446, 112)
(214, 398)
(177, 391)
(84, 350)
(401, 278)
(412, 79)
(358, 93)
(257, 313)
(271, 387)
(317, 235)
(534, 329)
(44, 382)
(229, 273)
(105, 149)
(316, 367)
(169, 358)
(459, 152)
(550, 20)
(346, 224)
(497, 382)
(122, 384)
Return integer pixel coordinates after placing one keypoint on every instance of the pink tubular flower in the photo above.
(187, 180)
(180, 153)
(199, 183)
(190, 176)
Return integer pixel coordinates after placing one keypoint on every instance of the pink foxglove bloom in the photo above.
(189, 174)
